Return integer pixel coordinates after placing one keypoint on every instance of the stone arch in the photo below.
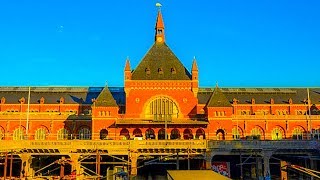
(150, 134)
(257, 132)
(187, 134)
(84, 133)
(221, 134)
(161, 108)
(125, 133)
(137, 132)
(104, 134)
(175, 134)
(299, 133)
(278, 133)
(41, 133)
(200, 134)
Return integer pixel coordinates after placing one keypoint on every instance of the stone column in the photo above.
(207, 159)
(284, 174)
(26, 170)
(133, 159)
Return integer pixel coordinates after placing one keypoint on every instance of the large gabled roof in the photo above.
(160, 58)
(105, 99)
(218, 99)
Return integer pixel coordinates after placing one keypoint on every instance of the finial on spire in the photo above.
(194, 64)
(159, 34)
(217, 84)
(159, 6)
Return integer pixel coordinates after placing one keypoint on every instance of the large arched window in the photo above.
(161, 134)
(297, 133)
(18, 134)
(256, 133)
(63, 134)
(84, 133)
(162, 109)
(137, 132)
(40, 134)
(236, 133)
(276, 134)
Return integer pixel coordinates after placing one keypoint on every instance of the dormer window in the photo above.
(61, 100)
(173, 71)
(160, 71)
(22, 100)
(159, 31)
(147, 70)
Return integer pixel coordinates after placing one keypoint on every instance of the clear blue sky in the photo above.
(252, 43)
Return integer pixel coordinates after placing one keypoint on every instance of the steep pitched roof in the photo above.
(160, 58)
(218, 99)
(105, 98)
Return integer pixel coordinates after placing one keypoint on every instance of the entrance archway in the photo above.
(161, 134)
(104, 134)
(187, 134)
(137, 133)
(175, 134)
(150, 134)
(200, 134)
(125, 134)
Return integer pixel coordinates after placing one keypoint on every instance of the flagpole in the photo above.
(28, 110)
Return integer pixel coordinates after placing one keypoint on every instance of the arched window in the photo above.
(297, 133)
(40, 134)
(18, 134)
(147, 70)
(84, 133)
(162, 109)
(276, 134)
(220, 134)
(175, 134)
(63, 134)
(235, 133)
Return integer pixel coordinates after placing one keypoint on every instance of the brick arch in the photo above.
(39, 134)
(301, 135)
(148, 102)
(221, 134)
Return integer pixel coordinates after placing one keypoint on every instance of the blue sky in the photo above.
(265, 43)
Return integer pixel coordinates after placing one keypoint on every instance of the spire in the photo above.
(194, 65)
(159, 34)
(127, 67)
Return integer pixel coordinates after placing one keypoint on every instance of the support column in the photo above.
(26, 170)
(62, 164)
(259, 168)
(284, 174)
(177, 163)
(133, 159)
(266, 164)
(75, 165)
(208, 158)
